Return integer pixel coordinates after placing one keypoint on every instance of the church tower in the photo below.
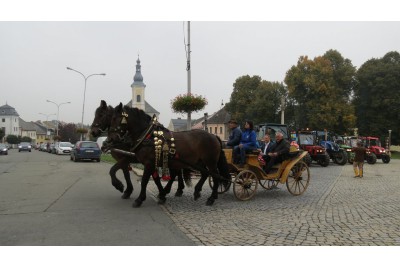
(138, 88)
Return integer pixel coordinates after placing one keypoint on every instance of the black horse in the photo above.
(101, 124)
(196, 149)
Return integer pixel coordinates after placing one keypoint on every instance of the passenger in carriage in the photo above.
(278, 152)
(235, 135)
(267, 145)
(248, 143)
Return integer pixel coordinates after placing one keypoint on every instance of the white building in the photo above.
(9, 121)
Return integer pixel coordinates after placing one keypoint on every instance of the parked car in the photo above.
(63, 148)
(50, 148)
(3, 149)
(85, 150)
(42, 147)
(24, 146)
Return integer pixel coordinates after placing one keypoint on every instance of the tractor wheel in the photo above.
(385, 158)
(324, 162)
(341, 157)
(307, 159)
(371, 159)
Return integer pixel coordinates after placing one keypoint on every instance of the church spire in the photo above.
(138, 75)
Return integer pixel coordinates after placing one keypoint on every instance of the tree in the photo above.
(255, 99)
(376, 97)
(12, 139)
(25, 139)
(320, 90)
(2, 134)
(68, 132)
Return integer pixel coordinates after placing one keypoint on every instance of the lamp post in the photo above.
(58, 109)
(84, 92)
(47, 119)
(390, 141)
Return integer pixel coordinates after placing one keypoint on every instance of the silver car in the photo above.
(63, 148)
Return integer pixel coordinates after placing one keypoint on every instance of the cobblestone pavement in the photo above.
(336, 209)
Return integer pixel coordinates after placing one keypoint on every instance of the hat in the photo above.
(232, 121)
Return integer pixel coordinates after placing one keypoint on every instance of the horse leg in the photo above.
(214, 194)
(129, 187)
(199, 185)
(161, 191)
(114, 180)
(168, 186)
(143, 186)
(181, 185)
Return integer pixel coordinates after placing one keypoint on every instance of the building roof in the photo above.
(147, 108)
(26, 126)
(40, 129)
(7, 110)
(220, 117)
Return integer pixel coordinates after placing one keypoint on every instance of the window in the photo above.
(216, 130)
(210, 129)
(3, 120)
(138, 98)
(220, 130)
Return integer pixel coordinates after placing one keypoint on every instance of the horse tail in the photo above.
(222, 164)
(187, 177)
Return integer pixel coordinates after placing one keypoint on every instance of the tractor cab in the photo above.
(336, 153)
(271, 129)
(373, 144)
(307, 141)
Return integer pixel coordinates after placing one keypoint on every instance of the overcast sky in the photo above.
(34, 56)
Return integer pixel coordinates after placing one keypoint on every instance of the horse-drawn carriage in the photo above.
(293, 171)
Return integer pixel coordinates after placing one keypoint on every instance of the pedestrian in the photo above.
(359, 158)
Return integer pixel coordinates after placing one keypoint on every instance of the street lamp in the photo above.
(47, 119)
(84, 92)
(58, 109)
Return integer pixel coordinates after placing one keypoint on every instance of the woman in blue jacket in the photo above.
(248, 142)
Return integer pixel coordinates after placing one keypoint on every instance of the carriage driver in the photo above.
(278, 152)
(235, 135)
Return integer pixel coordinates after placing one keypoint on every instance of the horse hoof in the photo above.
(210, 202)
(162, 201)
(197, 196)
(136, 204)
(125, 196)
(178, 194)
(119, 187)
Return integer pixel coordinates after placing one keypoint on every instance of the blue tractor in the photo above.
(335, 152)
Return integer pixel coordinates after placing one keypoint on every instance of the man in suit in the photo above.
(266, 146)
(278, 152)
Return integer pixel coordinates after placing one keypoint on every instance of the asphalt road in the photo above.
(48, 200)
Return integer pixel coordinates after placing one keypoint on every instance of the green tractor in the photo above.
(341, 141)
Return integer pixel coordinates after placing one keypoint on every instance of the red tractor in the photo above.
(307, 141)
(373, 144)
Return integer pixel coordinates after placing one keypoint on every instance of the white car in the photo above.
(63, 148)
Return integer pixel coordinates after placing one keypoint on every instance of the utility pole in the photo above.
(283, 110)
(189, 116)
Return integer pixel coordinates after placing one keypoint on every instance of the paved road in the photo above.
(47, 199)
(336, 209)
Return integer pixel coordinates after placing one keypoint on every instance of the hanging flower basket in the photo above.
(188, 103)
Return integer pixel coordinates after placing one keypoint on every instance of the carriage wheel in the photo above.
(222, 187)
(245, 185)
(298, 178)
(268, 184)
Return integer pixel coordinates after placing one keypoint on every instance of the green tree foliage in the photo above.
(67, 132)
(377, 97)
(255, 99)
(321, 90)
(12, 139)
